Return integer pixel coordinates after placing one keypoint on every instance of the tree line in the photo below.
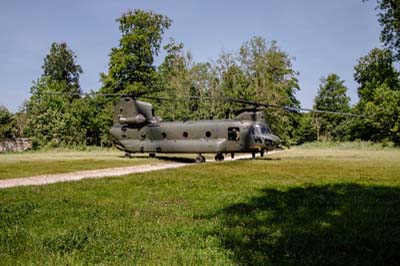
(58, 114)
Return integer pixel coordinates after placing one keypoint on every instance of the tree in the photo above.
(271, 80)
(131, 63)
(46, 113)
(55, 113)
(131, 66)
(305, 131)
(234, 82)
(259, 71)
(183, 78)
(384, 114)
(389, 18)
(5, 122)
(372, 71)
(60, 66)
(331, 96)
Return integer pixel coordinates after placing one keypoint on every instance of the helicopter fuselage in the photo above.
(137, 129)
(203, 136)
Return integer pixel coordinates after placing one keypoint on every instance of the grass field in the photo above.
(309, 206)
(13, 165)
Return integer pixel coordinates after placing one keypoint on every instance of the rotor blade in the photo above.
(128, 94)
(164, 99)
(285, 107)
(78, 94)
(220, 98)
(326, 112)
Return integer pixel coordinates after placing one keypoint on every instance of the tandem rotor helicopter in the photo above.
(137, 129)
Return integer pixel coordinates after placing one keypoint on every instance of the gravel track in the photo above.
(75, 176)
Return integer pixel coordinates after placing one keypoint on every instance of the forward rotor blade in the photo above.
(289, 108)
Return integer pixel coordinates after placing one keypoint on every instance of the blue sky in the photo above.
(324, 36)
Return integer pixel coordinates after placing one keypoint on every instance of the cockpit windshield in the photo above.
(260, 130)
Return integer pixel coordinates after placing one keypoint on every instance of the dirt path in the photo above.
(75, 176)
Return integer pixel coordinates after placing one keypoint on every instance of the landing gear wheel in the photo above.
(152, 155)
(128, 155)
(232, 155)
(200, 159)
(253, 155)
(219, 157)
(262, 153)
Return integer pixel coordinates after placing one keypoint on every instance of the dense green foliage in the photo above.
(12, 125)
(259, 71)
(131, 63)
(379, 84)
(56, 115)
(372, 71)
(384, 112)
(60, 67)
(331, 96)
(389, 18)
(294, 208)
(5, 122)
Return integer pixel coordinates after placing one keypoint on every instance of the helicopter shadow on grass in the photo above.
(176, 159)
(343, 224)
(161, 158)
(261, 159)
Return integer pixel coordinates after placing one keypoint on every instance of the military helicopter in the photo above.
(137, 129)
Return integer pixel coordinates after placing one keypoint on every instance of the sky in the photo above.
(322, 36)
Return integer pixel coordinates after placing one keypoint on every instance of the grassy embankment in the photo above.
(310, 206)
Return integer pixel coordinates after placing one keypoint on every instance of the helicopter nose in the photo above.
(276, 140)
(272, 141)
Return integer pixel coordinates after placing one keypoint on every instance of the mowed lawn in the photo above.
(309, 206)
(14, 165)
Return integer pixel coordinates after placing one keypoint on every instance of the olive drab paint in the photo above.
(137, 129)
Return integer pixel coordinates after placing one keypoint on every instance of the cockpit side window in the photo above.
(265, 130)
(260, 130)
(233, 133)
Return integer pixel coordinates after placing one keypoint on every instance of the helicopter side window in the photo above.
(265, 130)
(233, 133)
(260, 130)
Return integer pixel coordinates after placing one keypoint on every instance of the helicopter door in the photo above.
(233, 143)
(233, 134)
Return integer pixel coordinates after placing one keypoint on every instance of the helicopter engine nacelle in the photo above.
(251, 115)
(133, 120)
(129, 111)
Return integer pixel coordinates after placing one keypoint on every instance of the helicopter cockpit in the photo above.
(263, 134)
